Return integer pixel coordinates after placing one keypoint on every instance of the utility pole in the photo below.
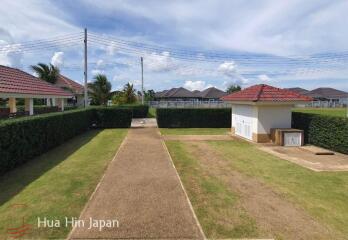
(142, 80)
(85, 68)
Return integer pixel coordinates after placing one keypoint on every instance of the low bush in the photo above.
(323, 131)
(139, 111)
(24, 138)
(113, 117)
(193, 117)
(45, 109)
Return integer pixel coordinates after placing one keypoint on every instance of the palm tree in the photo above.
(48, 73)
(100, 90)
(129, 93)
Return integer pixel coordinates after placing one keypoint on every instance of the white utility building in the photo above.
(258, 109)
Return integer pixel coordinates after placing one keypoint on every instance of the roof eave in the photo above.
(273, 103)
(32, 95)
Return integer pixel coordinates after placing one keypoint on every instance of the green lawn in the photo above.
(195, 131)
(57, 184)
(214, 204)
(151, 113)
(323, 195)
(338, 112)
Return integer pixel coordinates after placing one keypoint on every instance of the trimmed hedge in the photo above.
(24, 138)
(323, 131)
(113, 117)
(193, 117)
(139, 111)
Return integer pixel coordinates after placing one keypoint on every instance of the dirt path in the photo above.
(274, 215)
(142, 191)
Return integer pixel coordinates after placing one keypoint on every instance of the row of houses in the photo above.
(17, 84)
(324, 97)
(182, 94)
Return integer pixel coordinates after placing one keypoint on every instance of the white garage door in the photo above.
(243, 118)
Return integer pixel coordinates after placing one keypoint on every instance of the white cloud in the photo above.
(100, 63)
(159, 62)
(229, 69)
(136, 83)
(264, 78)
(96, 72)
(30, 19)
(196, 85)
(112, 49)
(57, 59)
(11, 55)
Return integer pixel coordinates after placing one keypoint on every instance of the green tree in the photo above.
(100, 90)
(118, 98)
(233, 88)
(149, 95)
(48, 73)
(129, 93)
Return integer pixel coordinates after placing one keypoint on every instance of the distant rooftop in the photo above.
(327, 93)
(181, 92)
(298, 90)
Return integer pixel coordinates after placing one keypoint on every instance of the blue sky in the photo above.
(282, 43)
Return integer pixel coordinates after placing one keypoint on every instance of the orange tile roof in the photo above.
(63, 81)
(263, 92)
(16, 81)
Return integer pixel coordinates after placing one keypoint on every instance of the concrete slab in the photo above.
(306, 157)
(143, 122)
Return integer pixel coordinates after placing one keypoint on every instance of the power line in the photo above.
(213, 54)
(188, 57)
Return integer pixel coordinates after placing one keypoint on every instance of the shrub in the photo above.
(323, 131)
(113, 117)
(24, 138)
(139, 111)
(193, 117)
(45, 109)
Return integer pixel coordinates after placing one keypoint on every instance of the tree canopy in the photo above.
(100, 90)
(46, 72)
(233, 88)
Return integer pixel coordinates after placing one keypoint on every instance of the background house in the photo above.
(328, 97)
(16, 84)
(324, 97)
(182, 94)
(75, 88)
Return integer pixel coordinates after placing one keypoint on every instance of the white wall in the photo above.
(246, 113)
(273, 117)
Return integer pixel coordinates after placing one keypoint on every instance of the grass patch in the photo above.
(336, 112)
(151, 113)
(195, 131)
(57, 184)
(323, 194)
(213, 203)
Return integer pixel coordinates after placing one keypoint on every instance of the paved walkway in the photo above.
(140, 189)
